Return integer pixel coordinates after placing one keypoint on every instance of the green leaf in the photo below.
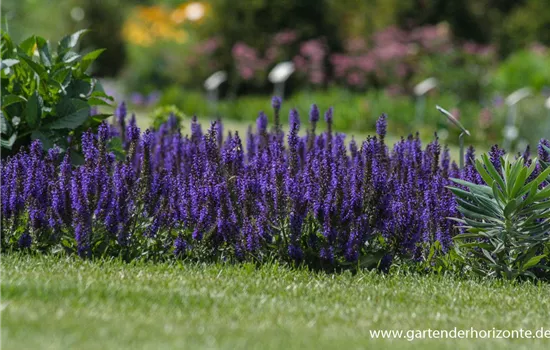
(9, 142)
(488, 256)
(69, 41)
(484, 174)
(519, 181)
(6, 63)
(115, 145)
(93, 101)
(44, 51)
(63, 76)
(72, 113)
(71, 57)
(497, 194)
(542, 176)
(8, 100)
(33, 112)
(479, 188)
(27, 45)
(37, 68)
(79, 89)
(77, 158)
(543, 195)
(493, 172)
(533, 261)
(466, 236)
(510, 207)
(89, 58)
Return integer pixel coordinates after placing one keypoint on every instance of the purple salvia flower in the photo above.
(381, 126)
(261, 123)
(543, 154)
(276, 104)
(25, 240)
(494, 154)
(314, 114)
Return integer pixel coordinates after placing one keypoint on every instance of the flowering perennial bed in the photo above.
(317, 198)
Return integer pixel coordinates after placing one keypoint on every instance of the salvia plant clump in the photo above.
(307, 196)
(312, 197)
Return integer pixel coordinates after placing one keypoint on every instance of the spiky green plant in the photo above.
(507, 220)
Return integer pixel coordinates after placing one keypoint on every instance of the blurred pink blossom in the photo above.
(311, 60)
(485, 118)
(285, 37)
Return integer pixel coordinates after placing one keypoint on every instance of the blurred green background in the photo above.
(363, 57)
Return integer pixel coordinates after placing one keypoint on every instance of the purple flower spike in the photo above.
(328, 115)
(294, 118)
(314, 114)
(382, 125)
(276, 103)
(261, 123)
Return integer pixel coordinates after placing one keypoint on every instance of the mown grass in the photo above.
(67, 303)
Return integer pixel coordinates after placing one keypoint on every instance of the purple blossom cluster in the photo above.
(303, 196)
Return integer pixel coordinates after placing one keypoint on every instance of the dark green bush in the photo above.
(46, 92)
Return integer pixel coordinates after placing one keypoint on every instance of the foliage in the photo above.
(163, 114)
(46, 93)
(523, 68)
(508, 219)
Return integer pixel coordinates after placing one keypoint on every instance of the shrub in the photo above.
(523, 68)
(47, 94)
(508, 219)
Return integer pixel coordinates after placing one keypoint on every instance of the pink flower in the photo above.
(246, 73)
(285, 37)
(485, 118)
(356, 79)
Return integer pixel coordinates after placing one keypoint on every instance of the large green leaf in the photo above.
(6, 63)
(69, 41)
(33, 112)
(44, 51)
(533, 261)
(8, 100)
(36, 67)
(9, 142)
(27, 46)
(79, 88)
(63, 76)
(71, 57)
(89, 58)
(71, 113)
(493, 172)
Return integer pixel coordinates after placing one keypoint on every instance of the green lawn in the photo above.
(53, 303)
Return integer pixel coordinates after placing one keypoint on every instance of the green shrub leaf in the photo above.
(72, 112)
(33, 111)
